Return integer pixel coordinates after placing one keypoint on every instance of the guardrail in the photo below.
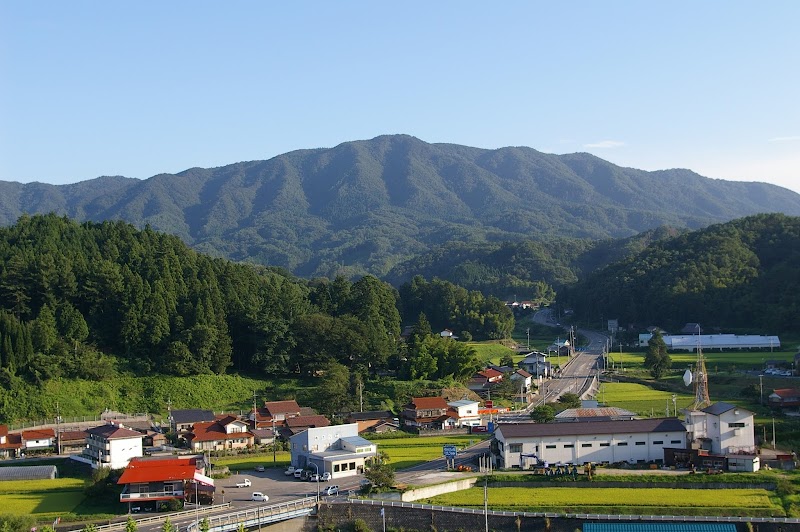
(155, 518)
(252, 517)
(597, 517)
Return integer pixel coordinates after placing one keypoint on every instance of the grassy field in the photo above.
(407, 452)
(491, 352)
(728, 361)
(623, 500)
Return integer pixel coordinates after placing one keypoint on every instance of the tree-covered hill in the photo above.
(97, 300)
(365, 206)
(741, 274)
(528, 269)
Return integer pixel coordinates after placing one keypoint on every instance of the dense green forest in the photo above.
(741, 275)
(96, 300)
(364, 207)
(525, 270)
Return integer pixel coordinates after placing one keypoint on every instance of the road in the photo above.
(574, 376)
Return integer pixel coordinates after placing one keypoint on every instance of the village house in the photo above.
(10, 444)
(425, 413)
(225, 433)
(181, 421)
(38, 440)
(373, 421)
(111, 445)
(464, 413)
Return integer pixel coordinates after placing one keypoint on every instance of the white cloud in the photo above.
(605, 144)
(793, 138)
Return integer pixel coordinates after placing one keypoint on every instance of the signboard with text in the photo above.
(449, 451)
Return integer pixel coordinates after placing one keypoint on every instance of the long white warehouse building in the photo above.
(689, 342)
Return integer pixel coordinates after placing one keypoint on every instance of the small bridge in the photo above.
(261, 515)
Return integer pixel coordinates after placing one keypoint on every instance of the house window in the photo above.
(658, 442)
(352, 465)
(736, 425)
(639, 443)
(604, 444)
(586, 445)
(622, 444)
(515, 448)
(569, 445)
(674, 442)
(549, 446)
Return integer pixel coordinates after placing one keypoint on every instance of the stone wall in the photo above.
(427, 492)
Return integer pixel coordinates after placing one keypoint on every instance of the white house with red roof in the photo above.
(38, 439)
(10, 444)
(161, 479)
(228, 432)
(112, 445)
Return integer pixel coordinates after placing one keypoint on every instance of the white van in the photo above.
(258, 496)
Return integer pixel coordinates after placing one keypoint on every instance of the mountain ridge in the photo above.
(364, 206)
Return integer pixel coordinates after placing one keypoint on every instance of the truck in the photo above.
(244, 483)
(289, 471)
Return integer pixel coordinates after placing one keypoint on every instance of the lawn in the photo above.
(491, 352)
(408, 452)
(624, 500)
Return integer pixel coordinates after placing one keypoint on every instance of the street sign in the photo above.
(449, 451)
(489, 404)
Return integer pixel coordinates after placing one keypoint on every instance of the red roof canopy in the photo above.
(142, 470)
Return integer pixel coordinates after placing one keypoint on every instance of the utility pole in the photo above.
(528, 332)
(361, 395)
(761, 389)
(58, 429)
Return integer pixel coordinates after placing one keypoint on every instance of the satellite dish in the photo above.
(687, 377)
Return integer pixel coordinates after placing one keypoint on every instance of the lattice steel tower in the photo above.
(701, 399)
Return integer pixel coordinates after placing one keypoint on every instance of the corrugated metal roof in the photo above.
(659, 527)
(531, 430)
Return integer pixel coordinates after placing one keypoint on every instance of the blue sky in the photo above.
(140, 88)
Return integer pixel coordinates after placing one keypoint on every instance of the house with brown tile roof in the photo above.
(72, 441)
(10, 444)
(226, 433)
(426, 413)
(280, 410)
(111, 445)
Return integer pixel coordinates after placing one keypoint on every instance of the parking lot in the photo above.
(273, 483)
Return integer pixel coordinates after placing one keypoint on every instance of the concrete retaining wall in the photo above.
(438, 489)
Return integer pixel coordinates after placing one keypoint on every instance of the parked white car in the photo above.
(258, 496)
(326, 476)
(289, 471)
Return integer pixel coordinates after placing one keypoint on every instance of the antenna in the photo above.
(701, 399)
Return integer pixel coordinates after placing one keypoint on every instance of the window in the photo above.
(622, 444)
(549, 446)
(676, 442)
(586, 445)
(515, 447)
(335, 468)
(658, 442)
(604, 444)
(569, 445)
(735, 425)
(639, 443)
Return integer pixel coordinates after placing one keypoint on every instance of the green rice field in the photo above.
(600, 500)
(408, 452)
(715, 361)
(642, 400)
(41, 498)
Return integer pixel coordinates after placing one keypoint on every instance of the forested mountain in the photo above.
(529, 269)
(741, 274)
(365, 206)
(93, 300)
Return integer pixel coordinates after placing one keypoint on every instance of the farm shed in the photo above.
(38, 472)
(689, 342)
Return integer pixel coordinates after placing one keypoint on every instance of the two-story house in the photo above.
(426, 413)
(181, 421)
(225, 433)
(536, 364)
(112, 446)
